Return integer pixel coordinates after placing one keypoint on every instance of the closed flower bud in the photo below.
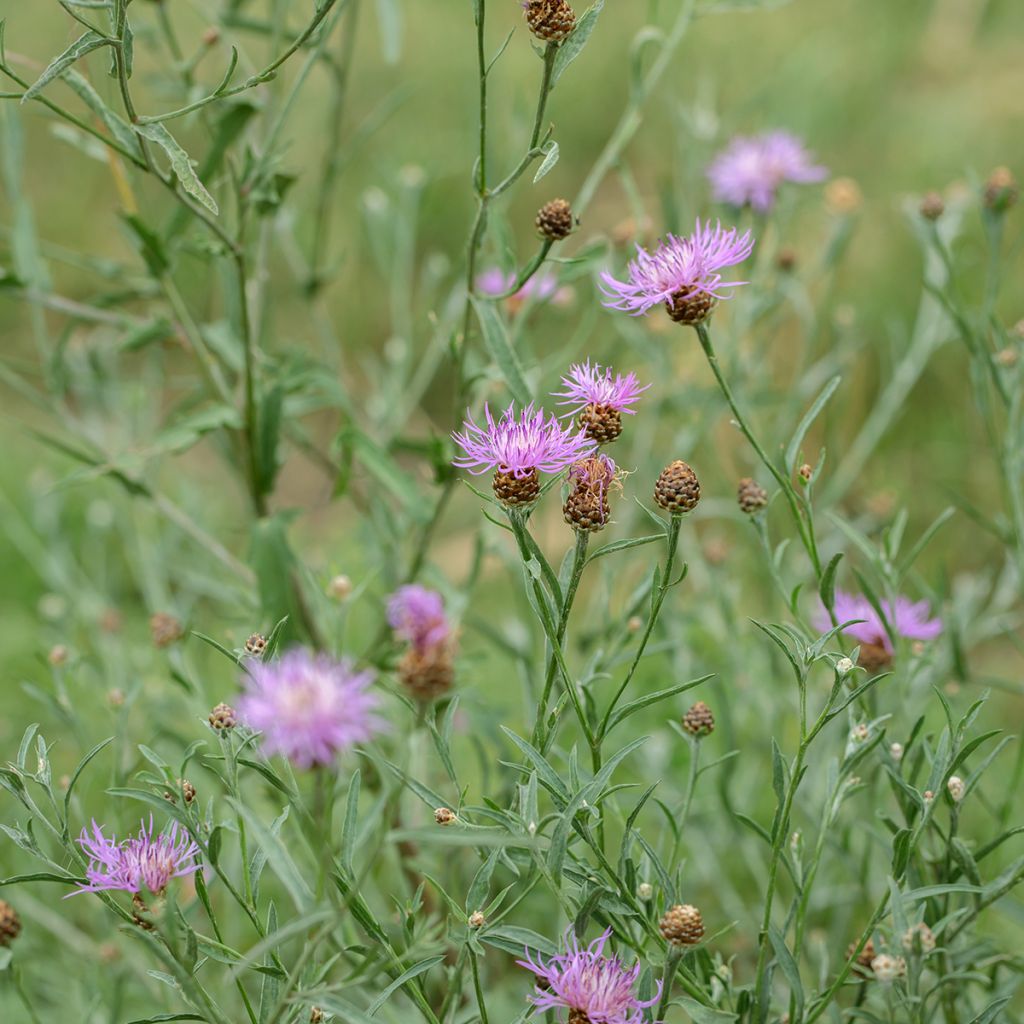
(555, 220)
(919, 938)
(550, 20)
(428, 673)
(805, 473)
(444, 816)
(677, 489)
(843, 196)
(888, 968)
(932, 207)
(188, 791)
(682, 925)
(956, 788)
(862, 965)
(844, 666)
(316, 1015)
(165, 629)
(860, 733)
(340, 587)
(1007, 357)
(644, 891)
(477, 919)
(896, 751)
(699, 721)
(1001, 190)
(58, 655)
(223, 717)
(751, 496)
(115, 698)
(256, 645)
(635, 624)
(10, 923)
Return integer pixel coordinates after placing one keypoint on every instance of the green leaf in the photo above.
(991, 1012)
(348, 829)
(551, 154)
(181, 164)
(268, 433)
(513, 939)
(793, 448)
(498, 345)
(573, 46)
(79, 48)
(827, 587)
(116, 125)
(384, 469)
(406, 976)
(149, 244)
(652, 698)
(789, 968)
(622, 545)
(705, 1014)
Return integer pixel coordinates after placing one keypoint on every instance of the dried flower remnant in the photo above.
(417, 617)
(309, 707)
(10, 923)
(591, 986)
(751, 169)
(682, 925)
(517, 448)
(591, 480)
(555, 220)
(908, 619)
(599, 399)
(682, 274)
(147, 861)
(677, 489)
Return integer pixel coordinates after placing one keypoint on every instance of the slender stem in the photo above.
(666, 581)
(579, 563)
(684, 813)
(477, 987)
(672, 959)
(806, 535)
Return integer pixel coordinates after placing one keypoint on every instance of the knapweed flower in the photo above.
(683, 273)
(417, 616)
(600, 399)
(749, 171)
(309, 706)
(517, 448)
(909, 619)
(591, 986)
(145, 861)
(541, 287)
(590, 480)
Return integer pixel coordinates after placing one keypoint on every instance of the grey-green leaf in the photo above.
(76, 51)
(500, 348)
(181, 164)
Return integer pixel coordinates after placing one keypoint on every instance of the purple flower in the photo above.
(909, 619)
(309, 706)
(138, 862)
(591, 385)
(417, 616)
(679, 269)
(519, 445)
(541, 287)
(751, 169)
(585, 981)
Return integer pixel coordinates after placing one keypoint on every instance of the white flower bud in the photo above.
(896, 751)
(888, 968)
(644, 891)
(844, 666)
(956, 788)
(339, 588)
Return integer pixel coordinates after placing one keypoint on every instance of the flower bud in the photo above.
(550, 20)
(682, 925)
(444, 816)
(555, 220)
(677, 489)
(956, 788)
(477, 919)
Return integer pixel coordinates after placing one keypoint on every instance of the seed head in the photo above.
(932, 207)
(1001, 190)
(256, 645)
(919, 938)
(887, 969)
(699, 721)
(555, 220)
(751, 496)
(956, 788)
(223, 717)
(477, 919)
(165, 629)
(550, 20)
(10, 923)
(677, 489)
(445, 816)
(682, 925)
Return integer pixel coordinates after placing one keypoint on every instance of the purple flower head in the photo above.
(751, 169)
(309, 706)
(909, 619)
(541, 287)
(591, 385)
(679, 267)
(519, 445)
(585, 981)
(139, 862)
(417, 616)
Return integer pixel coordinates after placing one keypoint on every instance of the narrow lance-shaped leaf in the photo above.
(83, 45)
(181, 164)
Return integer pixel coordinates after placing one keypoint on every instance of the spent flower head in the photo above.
(749, 171)
(683, 273)
(309, 707)
(519, 445)
(909, 619)
(145, 861)
(586, 982)
(417, 616)
(591, 384)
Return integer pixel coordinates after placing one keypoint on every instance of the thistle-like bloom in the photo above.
(520, 445)
(591, 986)
(683, 273)
(417, 616)
(587, 384)
(145, 861)
(309, 707)
(909, 619)
(750, 169)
